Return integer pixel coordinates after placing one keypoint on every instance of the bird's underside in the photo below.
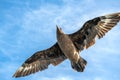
(70, 51)
(82, 39)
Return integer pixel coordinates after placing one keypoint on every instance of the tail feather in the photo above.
(80, 66)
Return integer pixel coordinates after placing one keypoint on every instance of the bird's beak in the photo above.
(58, 29)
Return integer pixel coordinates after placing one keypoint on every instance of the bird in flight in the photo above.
(68, 46)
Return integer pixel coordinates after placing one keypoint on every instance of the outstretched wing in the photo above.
(40, 61)
(97, 27)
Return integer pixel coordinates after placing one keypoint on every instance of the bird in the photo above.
(68, 46)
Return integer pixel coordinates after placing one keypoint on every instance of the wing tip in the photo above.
(18, 73)
(113, 14)
(15, 76)
(27, 69)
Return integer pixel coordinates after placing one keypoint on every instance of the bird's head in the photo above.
(59, 30)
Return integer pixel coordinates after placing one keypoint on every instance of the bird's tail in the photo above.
(80, 65)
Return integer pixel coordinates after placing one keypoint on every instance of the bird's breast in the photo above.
(68, 47)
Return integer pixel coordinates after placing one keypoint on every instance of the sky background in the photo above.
(27, 26)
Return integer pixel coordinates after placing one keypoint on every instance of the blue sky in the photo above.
(27, 26)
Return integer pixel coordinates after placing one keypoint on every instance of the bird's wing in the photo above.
(40, 61)
(94, 28)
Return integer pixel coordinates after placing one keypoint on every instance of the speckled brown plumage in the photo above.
(82, 39)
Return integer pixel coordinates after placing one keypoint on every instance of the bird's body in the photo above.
(68, 46)
(70, 51)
